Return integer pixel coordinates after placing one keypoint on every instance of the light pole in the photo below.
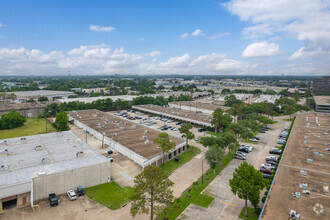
(202, 172)
(86, 135)
(103, 139)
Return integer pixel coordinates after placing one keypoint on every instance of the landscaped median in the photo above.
(194, 193)
(172, 165)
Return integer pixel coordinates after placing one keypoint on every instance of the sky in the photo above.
(147, 37)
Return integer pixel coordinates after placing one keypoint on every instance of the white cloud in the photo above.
(155, 53)
(185, 35)
(219, 36)
(100, 59)
(1, 25)
(275, 39)
(305, 20)
(101, 29)
(197, 32)
(261, 49)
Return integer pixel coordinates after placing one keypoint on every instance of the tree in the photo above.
(296, 96)
(33, 86)
(151, 189)
(225, 91)
(231, 100)
(12, 120)
(61, 122)
(289, 110)
(247, 182)
(235, 110)
(220, 119)
(232, 146)
(211, 91)
(186, 133)
(214, 155)
(42, 99)
(164, 143)
(307, 93)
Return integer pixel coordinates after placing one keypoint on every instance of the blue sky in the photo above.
(164, 37)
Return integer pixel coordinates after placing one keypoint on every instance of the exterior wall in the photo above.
(15, 190)
(21, 198)
(191, 108)
(60, 183)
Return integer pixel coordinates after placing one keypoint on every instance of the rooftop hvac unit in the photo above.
(80, 117)
(23, 140)
(326, 189)
(294, 215)
(117, 124)
(115, 134)
(121, 128)
(4, 168)
(5, 151)
(147, 142)
(38, 148)
(146, 131)
(308, 160)
(303, 185)
(144, 137)
(126, 123)
(303, 172)
(133, 126)
(80, 154)
(45, 160)
(99, 125)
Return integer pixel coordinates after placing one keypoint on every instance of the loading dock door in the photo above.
(9, 202)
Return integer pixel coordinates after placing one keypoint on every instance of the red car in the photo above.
(265, 170)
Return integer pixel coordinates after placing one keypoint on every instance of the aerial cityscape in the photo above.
(188, 110)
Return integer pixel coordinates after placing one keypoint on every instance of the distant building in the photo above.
(26, 95)
(322, 103)
(321, 85)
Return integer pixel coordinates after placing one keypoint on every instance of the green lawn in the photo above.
(31, 127)
(213, 133)
(292, 119)
(251, 214)
(194, 194)
(202, 200)
(111, 195)
(171, 165)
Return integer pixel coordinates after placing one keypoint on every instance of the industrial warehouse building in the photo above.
(33, 167)
(130, 139)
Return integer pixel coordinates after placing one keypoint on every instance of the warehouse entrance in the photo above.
(9, 202)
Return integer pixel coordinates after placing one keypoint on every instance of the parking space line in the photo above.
(227, 203)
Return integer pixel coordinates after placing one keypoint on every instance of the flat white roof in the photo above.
(24, 162)
(92, 99)
(42, 93)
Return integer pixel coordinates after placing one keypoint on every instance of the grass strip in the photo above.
(192, 194)
(251, 214)
(172, 165)
(111, 195)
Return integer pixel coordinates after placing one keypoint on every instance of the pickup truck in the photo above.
(53, 199)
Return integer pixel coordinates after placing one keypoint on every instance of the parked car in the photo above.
(201, 129)
(72, 195)
(240, 156)
(179, 123)
(265, 170)
(271, 158)
(164, 128)
(266, 176)
(110, 151)
(254, 140)
(275, 151)
(243, 149)
(268, 166)
(271, 163)
(80, 191)
(262, 131)
(53, 199)
(197, 139)
(248, 147)
(240, 152)
(280, 141)
(110, 158)
(257, 138)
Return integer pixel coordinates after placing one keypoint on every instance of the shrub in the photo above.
(266, 192)
(263, 199)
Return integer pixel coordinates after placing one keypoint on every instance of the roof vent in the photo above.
(126, 123)
(121, 128)
(303, 185)
(4, 143)
(80, 154)
(4, 168)
(115, 134)
(144, 137)
(23, 140)
(117, 124)
(146, 131)
(45, 160)
(39, 148)
(309, 160)
(5, 151)
(326, 189)
(147, 141)
(303, 172)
